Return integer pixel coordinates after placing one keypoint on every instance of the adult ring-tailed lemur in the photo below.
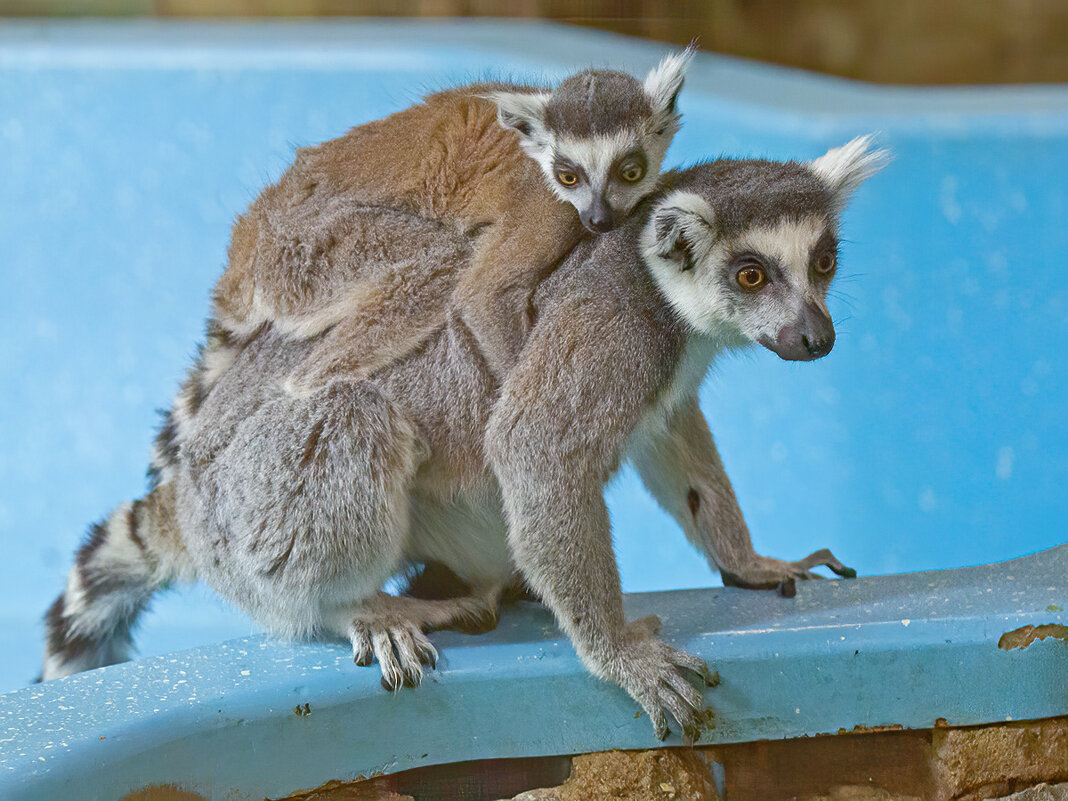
(298, 501)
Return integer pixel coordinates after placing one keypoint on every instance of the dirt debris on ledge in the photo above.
(675, 775)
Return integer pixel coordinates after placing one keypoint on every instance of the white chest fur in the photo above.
(698, 355)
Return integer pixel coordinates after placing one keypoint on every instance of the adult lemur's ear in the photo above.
(523, 112)
(682, 228)
(845, 168)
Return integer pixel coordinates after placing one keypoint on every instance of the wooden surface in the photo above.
(906, 41)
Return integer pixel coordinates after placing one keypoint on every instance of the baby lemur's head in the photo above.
(600, 135)
(746, 250)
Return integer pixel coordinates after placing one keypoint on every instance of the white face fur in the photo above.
(765, 284)
(603, 169)
(603, 176)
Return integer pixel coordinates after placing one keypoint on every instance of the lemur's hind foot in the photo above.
(764, 573)
(392, 631)
(434, 581)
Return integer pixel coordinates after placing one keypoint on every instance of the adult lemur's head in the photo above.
(600, 136)
(746, 250)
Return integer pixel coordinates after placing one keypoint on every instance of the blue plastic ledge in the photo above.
(226, 720)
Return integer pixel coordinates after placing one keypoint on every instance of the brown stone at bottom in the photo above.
(1021, 761)
(660, 775)
(993, 761)
(860, 792)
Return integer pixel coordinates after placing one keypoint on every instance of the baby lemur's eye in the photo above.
(567, 178)
(631, 171)
(826, 263)
(751, 277)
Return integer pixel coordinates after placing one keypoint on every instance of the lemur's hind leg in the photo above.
(303, 514)
(392, 630)
(125, 559)
(434, 581)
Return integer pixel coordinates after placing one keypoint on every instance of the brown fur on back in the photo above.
(294, 263)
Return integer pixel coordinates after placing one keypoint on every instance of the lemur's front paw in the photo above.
(653, 673)
(763, 573)
(401, 650)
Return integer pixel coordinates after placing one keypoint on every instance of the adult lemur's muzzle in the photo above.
(810, 337)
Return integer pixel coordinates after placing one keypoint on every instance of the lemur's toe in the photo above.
(363, 652)
(827, 559)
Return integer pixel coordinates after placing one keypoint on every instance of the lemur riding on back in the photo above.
(595, 142)
(299, 508)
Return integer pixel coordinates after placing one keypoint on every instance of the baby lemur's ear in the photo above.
(523, 112)
(845, 168)
(682, 228)
(664, 82)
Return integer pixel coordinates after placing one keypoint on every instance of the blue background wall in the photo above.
(933, 436)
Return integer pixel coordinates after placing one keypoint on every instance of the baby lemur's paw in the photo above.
(401, 649)
(654, 673)
(763, 573)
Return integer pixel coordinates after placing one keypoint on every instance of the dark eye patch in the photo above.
(562, 165)
(637, 156)
(736, 261)
(826, 245)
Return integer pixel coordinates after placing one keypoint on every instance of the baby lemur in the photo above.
(299, 507)
(492, 158)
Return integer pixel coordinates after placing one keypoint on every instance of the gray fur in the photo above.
(747, 193)
(594, 125)
(298, 507)
(596, 102)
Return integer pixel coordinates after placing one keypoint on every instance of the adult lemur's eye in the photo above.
(825, 264)
(632, 172)
(751, 278)
(567, 178)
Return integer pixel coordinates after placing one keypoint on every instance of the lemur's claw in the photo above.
(787, 587)
(400, 649)
(827, 559)
(658, 676)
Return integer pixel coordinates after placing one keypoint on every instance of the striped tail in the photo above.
(124, 560)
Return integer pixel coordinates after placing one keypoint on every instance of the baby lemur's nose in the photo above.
(599, 220)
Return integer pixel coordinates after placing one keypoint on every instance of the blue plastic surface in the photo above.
(230, 721)
(933, 436)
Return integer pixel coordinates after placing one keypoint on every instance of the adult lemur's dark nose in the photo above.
(816, 330)
(810, 337)
(818, 345)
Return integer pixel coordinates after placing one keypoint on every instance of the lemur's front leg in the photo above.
(553, 440)
(680, 466)
(561, 541)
